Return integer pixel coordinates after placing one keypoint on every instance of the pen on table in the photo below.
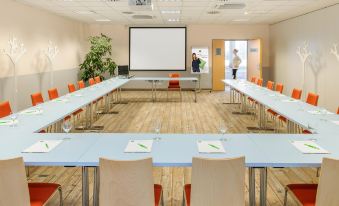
(311, 146)
(213, 146)
(143, 146)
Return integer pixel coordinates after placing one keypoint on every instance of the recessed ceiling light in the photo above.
(85, 12)
(240, 20)
(246, 12)
(173, 20)
(170, 11)
(128, 12)
(102, 20)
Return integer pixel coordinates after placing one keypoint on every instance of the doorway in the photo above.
(241, 46)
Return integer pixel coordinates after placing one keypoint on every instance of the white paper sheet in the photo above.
(31, 112)
(210, 147)
(8, 122)
(319, 112)
(42, 146)
(336, 122)
(61, 100)
(309, 147)
(139, 146)
(289, 100)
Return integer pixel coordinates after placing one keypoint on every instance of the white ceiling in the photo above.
(190, 11)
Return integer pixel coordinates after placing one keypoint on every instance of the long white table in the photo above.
(173, 150)
(155, 80)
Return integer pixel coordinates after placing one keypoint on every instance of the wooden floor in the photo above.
(139, 116)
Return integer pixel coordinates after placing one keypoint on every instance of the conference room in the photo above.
(169, 102)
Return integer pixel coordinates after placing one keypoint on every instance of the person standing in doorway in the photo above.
(235, 63)
(195, 63)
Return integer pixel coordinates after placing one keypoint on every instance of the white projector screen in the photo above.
(157, 48)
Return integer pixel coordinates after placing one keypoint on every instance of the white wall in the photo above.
(35, 28)
(321, 30)
(197, 35)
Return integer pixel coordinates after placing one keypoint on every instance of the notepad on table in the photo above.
(309, 147)
(139, 146)
(319, 112)
(61, 100)
(42, 146)
(31, 112)
(336, 122)
(289, 100)
(8, 122)
(210, 147)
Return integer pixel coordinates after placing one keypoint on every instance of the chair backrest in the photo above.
(338, 110)
(37, 99)
(13, 187)
(91, 81)
(270, 85)
(253, 79)
(81, 84)
(97, 79)
(71, 88)
(328, 187)
(312, 99)
(296, 93)
(53, 93)
(126, 182)
(218, 182)
(174, 82)
(259, 82)
(279, 88)
(5, 109)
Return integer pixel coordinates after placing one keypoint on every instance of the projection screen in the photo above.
(157, 48)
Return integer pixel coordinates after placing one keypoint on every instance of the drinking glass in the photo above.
(14, 118)
(223, 130)
(157, 127)
(67, 126)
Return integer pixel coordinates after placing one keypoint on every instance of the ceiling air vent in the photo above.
(213, 12)
(128, 12)
(142, 17)
(231, 6)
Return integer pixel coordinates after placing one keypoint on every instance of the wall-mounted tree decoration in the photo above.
(303, 53)
(334, 51)
(51, 52)
(15, 51)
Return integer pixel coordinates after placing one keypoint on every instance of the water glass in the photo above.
(67, 126)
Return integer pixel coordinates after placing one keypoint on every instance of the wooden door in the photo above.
(218, 64)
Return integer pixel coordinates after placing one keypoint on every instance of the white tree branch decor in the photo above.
(51, 52)
(15, 51)
(303, 53)
(334, 51)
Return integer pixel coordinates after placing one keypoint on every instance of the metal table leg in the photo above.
(263, 186)
(251, 184)
(85, 191)
(96, 187)
(155, 90)
(195, 91)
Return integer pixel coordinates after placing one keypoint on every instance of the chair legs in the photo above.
(285, 197)
(60, 196)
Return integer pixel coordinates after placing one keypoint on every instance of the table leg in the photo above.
(152, 82)
(96, 187)
(85, 192)
(195, 91)
(251, 185)
(263, 186)
(155, 90)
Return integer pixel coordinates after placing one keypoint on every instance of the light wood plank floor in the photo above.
(139, 116)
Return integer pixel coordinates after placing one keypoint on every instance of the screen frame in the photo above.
(129, 47)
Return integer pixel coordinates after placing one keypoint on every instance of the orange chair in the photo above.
(15, 190)
(37, 99)
(97, 79)
(259, 82)
(296, 93)
(270, 85)
(253, 79)
(81, 84)
(279, 88)
(71, 88)
(338, 110)
(312, 99)
(91, 82)
(5, 109)
(174, 84)
(53, 93)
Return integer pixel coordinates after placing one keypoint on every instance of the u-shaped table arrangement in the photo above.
(261, 151)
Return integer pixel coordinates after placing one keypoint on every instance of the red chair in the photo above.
(71, 88)
(91, 82)
(312, 99)
(97, 79)
(81, 84)
(5, 109)
(15, 190)
(37, 99)
(53, 93)
(270, 85)
(323, 194)
(279, 88)
(259, 82)
(253, 79)
(338, 110)
(296, 94)
(174, 84)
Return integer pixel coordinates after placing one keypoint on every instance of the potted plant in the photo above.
(98, 60)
